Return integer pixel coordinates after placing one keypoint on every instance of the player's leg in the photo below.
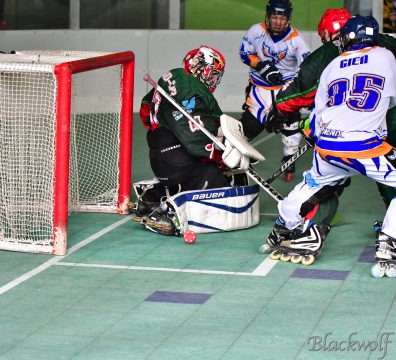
(387, 193)
(382, 170)
(385, 246)
(306, 245)
(291, 137)
(256, 107)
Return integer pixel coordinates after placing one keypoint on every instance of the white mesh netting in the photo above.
(28, 95)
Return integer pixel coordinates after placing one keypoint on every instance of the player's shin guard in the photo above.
(291, 137)
(385, 256)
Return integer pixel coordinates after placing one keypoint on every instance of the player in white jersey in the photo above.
(349, 127)
(273, 50)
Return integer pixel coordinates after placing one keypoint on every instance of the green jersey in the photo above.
(196, 99)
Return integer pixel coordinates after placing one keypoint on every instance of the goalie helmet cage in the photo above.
(66, 142)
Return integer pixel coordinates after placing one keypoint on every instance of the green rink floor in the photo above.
(123, 292)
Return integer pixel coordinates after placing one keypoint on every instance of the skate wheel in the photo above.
(390, 271)
(285, 257)
(288, 177)
(296, 259)
(275, 255)
(378, 271)
(308, 260)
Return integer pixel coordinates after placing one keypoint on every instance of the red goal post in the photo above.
(67, 122)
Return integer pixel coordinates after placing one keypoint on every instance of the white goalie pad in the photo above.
(215, 210)
(233, 132)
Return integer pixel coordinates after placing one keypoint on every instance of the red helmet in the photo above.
(206, 64)
(332, 21)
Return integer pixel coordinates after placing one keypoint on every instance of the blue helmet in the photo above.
(359, 30)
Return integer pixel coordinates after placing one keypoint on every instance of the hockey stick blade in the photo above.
(283, 168)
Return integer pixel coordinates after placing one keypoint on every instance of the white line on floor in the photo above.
(56, 259)
(265, 267)
(263, 139)
(269, 214)
(261, 270)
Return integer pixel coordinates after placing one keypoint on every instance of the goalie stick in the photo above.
(250, 172)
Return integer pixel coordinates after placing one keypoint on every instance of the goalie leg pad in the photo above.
(217, 210)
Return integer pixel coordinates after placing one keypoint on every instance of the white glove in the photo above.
(232, 157)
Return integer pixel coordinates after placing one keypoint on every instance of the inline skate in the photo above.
(296, 246)
(385, 257)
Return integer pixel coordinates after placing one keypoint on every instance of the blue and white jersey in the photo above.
(355, 91)
(286, 52)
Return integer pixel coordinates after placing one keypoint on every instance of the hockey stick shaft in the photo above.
(250, 172)
(282, 169)
(264, 185)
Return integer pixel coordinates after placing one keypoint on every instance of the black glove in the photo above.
(274, 122)
(268, 72)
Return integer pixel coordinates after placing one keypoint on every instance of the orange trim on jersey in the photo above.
(359, 51)
(254, 59)
(292, 35)
(383, 149)
(264, 26)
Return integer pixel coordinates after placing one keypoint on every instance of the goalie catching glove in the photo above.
(233, 158)
(269, 72)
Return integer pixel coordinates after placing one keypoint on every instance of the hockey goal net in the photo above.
(65, 140)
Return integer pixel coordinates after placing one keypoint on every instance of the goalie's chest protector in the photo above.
(214, 210)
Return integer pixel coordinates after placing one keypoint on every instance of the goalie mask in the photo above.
(206, 64)
(332, 21)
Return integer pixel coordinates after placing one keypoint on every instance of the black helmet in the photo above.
(359, 30)
(279, 7)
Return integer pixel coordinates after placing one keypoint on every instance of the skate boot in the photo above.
(385, 257)
(164, 224)
(294, 245)
(145, 208)
(377, 227)
(290, 169)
